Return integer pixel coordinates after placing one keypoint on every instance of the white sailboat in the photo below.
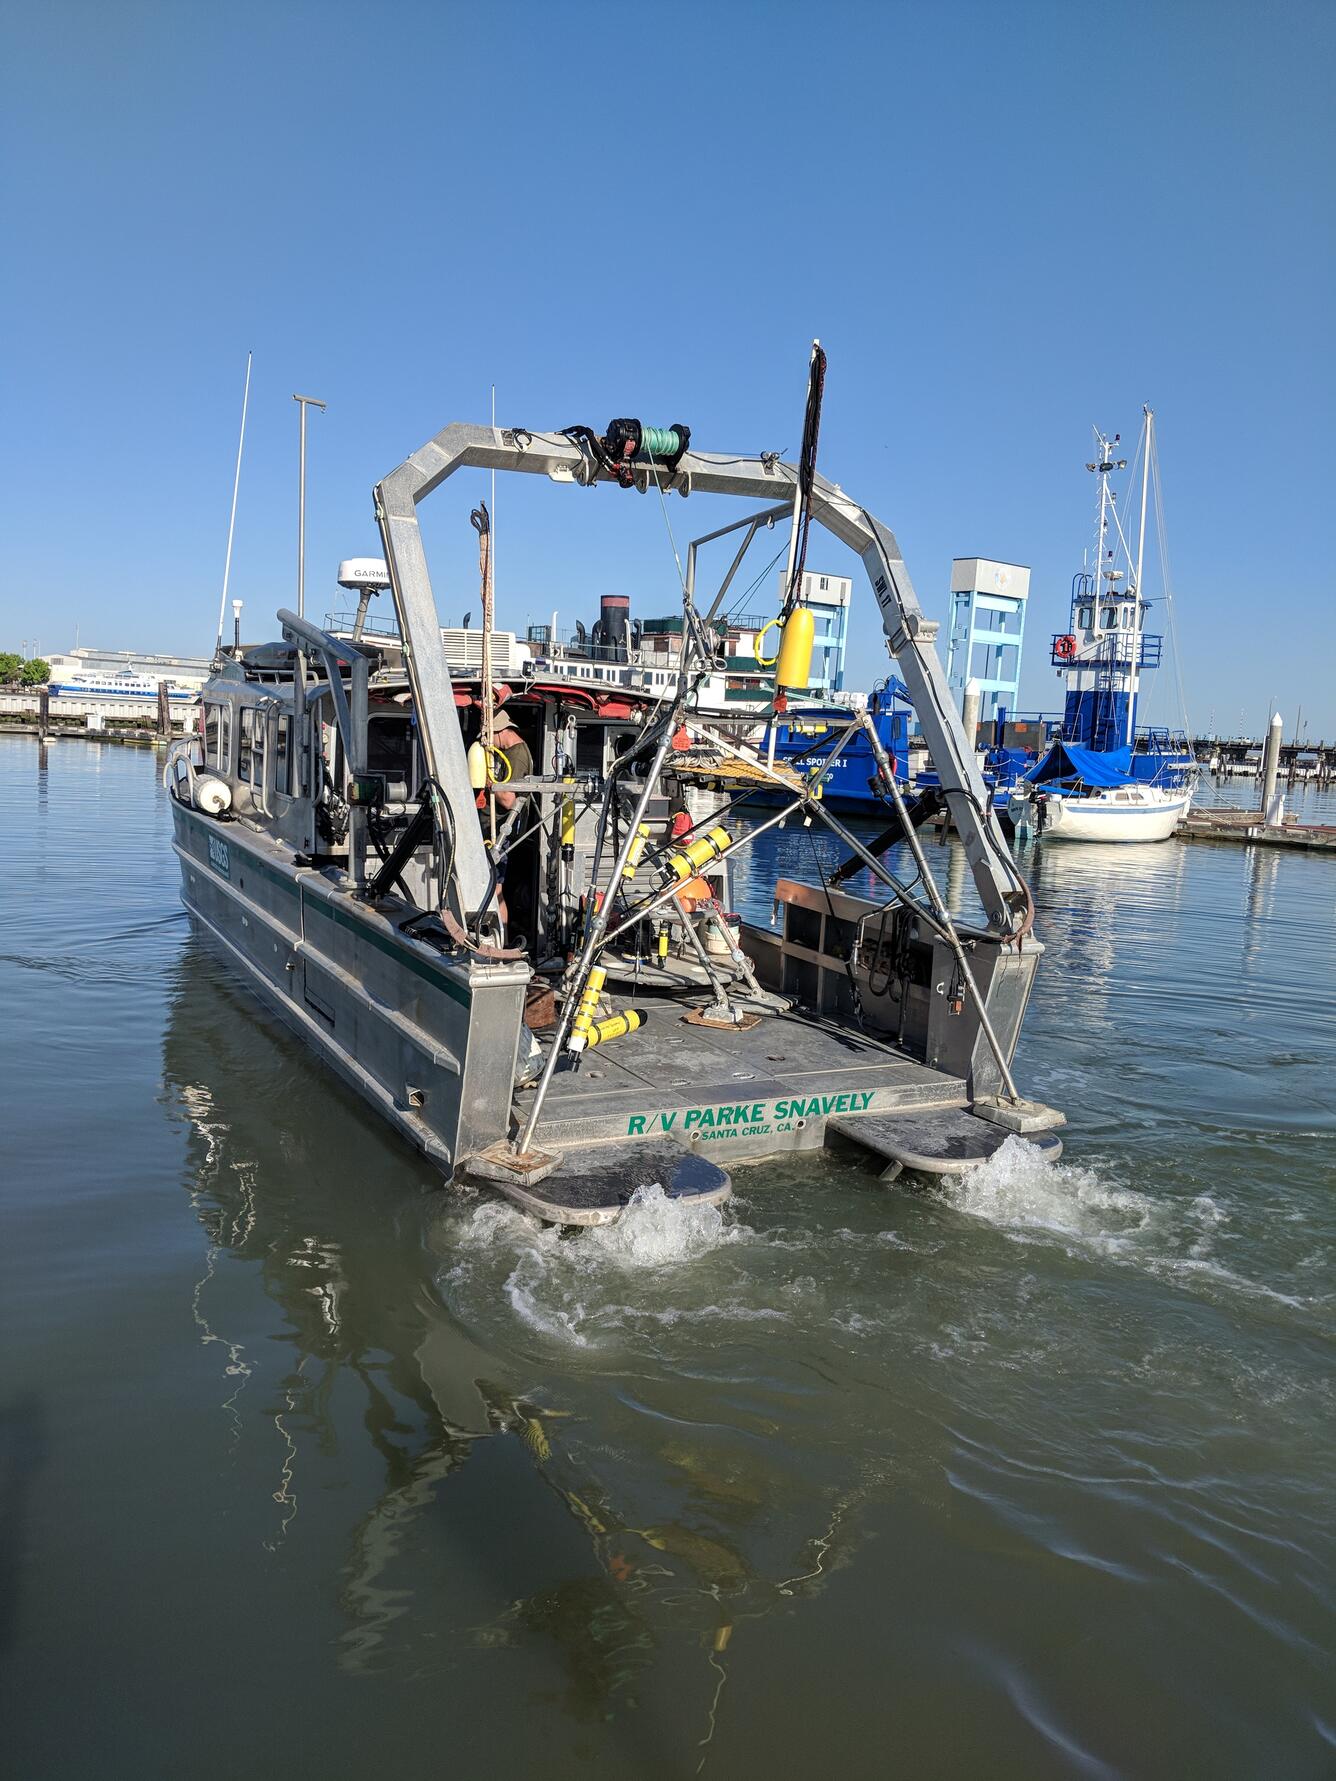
(1124, 813)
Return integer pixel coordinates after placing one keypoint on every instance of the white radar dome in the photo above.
(364, 572)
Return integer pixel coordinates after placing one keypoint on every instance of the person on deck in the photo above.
(508, 742)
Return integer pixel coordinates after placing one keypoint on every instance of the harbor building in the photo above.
(986, 632)
(620, 647)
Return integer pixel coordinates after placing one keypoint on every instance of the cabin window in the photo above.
(225, 740)
(389, 752)
(247, 742)
(1109, 618)
(282, 750)
(1083, 619)
(332, 750)
(588, 749)
(212, 726)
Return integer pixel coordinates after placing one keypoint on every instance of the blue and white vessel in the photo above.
(805, 736)
(1103, 778)
(83, 683)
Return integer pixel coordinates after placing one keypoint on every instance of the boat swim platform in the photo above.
(734, 1096)
(937, 1143)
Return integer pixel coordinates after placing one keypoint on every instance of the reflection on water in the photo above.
(1262, 876)
(372, 1474)
(632, 1570)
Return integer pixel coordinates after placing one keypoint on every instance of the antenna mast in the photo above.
(231, 524)
(1133, 678)
(305, 402)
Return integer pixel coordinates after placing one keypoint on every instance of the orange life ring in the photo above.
(1065, 647)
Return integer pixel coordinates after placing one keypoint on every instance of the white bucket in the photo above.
(715, 943)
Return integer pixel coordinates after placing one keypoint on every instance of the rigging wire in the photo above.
(741, 607)
(663, 505)
(990, 839)
(1163, 544)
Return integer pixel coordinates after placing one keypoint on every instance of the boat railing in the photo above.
(342, 623)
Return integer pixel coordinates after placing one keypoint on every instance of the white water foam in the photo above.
(1032, 1199)
(558, 1285)
(1021, 1190)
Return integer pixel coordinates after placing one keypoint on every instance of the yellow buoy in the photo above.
(793, 670)
(637, 848)
(584, 1013)
(700, 852)
(614, 1027)
(477, 766)
(568, 818)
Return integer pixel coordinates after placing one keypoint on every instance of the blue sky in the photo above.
(1004, 222)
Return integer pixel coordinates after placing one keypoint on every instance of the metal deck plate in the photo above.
(935, 1143)
(667, 1066)
(593, 1186)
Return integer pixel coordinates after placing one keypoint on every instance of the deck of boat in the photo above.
(766, 1090)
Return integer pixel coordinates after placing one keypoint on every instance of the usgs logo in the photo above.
(218, 856)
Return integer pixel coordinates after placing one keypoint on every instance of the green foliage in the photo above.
(11, 666)
(35, 672)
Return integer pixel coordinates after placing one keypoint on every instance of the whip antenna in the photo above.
(232, 522)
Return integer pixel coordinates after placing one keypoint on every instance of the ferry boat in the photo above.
(83, 683)
(521, 952)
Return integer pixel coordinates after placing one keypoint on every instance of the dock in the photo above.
(1248, 828)
(60, 731)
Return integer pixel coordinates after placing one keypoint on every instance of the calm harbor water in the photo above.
(308, 1466)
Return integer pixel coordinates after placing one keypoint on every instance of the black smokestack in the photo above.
(615, 615)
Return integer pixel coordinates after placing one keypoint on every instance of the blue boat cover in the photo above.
(1065, 761)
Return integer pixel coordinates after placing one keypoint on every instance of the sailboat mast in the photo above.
(1134, 676)
(1102, 453)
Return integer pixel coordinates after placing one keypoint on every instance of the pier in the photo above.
(1248, 828)
(1240, 757)
(37, 711)
(1267, 825)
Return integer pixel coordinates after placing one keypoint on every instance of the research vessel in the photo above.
(521, 952)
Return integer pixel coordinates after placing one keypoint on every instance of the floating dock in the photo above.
(1248, 828)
